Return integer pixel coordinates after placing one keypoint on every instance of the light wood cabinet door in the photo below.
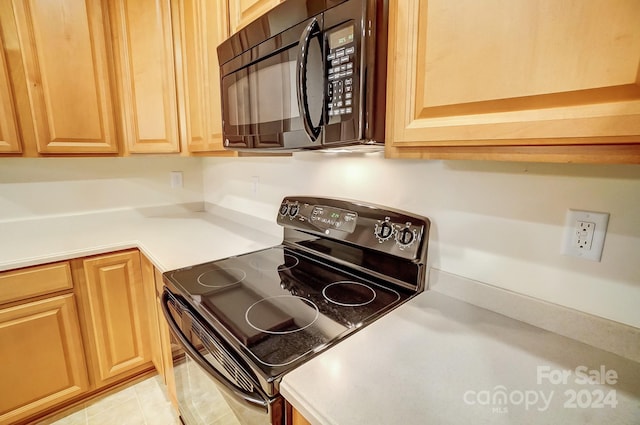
(242, 12)
(298, 419)
(170, 348)
(9, 135)
(514, 74)
(148, 278)
(202, 26)
(65, 49)
(143, 45)
(41, 357)
(115, 313)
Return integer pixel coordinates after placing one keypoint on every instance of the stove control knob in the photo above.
(405, 237)
(293, 210)
(384, 230)
(284, 208)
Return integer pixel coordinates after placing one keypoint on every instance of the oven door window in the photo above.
(260, 101)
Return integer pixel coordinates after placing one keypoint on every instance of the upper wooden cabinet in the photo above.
(65, 50)
(143, 46)
(9, 135)
(242, 12)
(201, 26)
(505, 79)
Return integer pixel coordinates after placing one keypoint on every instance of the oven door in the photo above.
(211, 385)
(273, 95)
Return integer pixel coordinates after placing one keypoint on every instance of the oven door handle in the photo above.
(301, 80)
(253, 399)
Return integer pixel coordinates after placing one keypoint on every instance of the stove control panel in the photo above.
(404, 234)
(323, 217)
(365, 225)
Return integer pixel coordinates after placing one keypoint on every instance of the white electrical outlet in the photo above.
(584, 234)
(176, 179)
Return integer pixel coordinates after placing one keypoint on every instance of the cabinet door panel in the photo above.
(65, 56)
(41, 357)
(536, 73)
(203, 26)
(242, 12)
(146, 75)
(114, 303)
(148, 277)
(9, 136)
(298, 419)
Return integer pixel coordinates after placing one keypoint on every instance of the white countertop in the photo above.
(438, 360)
(432, 360)
(171, 237)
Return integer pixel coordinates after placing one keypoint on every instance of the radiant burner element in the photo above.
(221, 278)
(349, 294)
(271, 315)
(275, 259)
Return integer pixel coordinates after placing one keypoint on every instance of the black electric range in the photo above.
(341, 265)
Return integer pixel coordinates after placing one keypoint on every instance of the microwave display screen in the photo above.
(341, 37)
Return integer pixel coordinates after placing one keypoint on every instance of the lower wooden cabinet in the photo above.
(148, 277)
(298, 419)
(115, 317)
(42, 360)
(72, 329)
(162, 350)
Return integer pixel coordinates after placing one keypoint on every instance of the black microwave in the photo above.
(308, 74)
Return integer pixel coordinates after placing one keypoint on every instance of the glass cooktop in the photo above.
(282, 304)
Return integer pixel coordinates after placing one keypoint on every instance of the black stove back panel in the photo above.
(385, 242)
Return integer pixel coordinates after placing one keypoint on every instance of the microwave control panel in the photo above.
(341, 59)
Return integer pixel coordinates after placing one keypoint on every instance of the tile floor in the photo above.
(144, 403)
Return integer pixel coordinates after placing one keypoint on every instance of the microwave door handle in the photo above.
(301, 80)
(251, 399)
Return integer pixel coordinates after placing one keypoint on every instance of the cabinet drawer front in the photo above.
(34, 281)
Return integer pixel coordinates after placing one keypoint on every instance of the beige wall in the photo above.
(498, 223)
(32, 187)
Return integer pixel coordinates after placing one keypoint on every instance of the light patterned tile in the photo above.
(150, 392)
(156, 407)
(111, 402)
(228, 419)
(160, 415)
(73, 418)
(145, 403)
(127, 412)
